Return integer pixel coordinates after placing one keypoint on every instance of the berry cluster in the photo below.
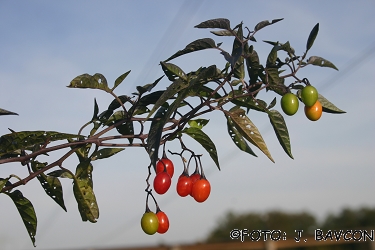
(195, 185)
(309, 96)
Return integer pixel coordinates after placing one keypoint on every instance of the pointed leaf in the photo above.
(84, 193)
(238, 60)
(237, 138)
(154, 135)
(62, 174)
(198, 123)
(281, 130)
(329, 107)
(105, 153)
(51, 185)
(6, 112)
(248, 130)
(97, 81)
(148, 87)
(115, 104)
(156, 129)
(4, 182)
(312, 36)
(200, 44)
(96, 111)
(222, 33)
(120, 79)
(265, 23)
(172, 89)
(221, 23)
(198, 135)
(27, 212)
(25, 139)
(319, 61)
(173, 72)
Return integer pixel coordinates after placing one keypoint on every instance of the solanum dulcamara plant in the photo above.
(153, 115)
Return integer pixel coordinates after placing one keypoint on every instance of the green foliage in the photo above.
(150, 118)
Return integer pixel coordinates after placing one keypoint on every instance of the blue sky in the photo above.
(45, 44)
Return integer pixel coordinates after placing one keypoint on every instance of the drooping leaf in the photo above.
(62, 173)
(27, 212)
(312, 36)
(198, 123)
(222, 32)
(173, 72)
(319, 61)
(25, 139)
(120, 79)
(198, 135)
(265, 23)
(172, 89)
(281, 131)
(248, 130)
(151, 98)
(329, 107)
(156, 128)
(272, 104)
(50, 184)
(105, 153)
(96, 111)
(276, 83)
(97, 81)
(126, 128)
(237, 50)
(84, 193)
(4, 182)
(220, 23)
(6, 112)
(115, 104)
(148, 87)
(200, 44)
(154, 135)
(237, 138)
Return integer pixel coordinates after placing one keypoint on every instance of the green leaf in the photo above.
(312, 36)
(173, 72)
(221, 23)
(25, 139)
(248, 130)
(237, 138)
(120, 79)
(198, 123)
(200, 44)
(96, 111)
(272, 104)
(329, 107)
(154, 135)
(84, 193)
(27, 212)
(265, 23)
(276, 83)
(172, 89)
(105, 153)
(151, 98)
(281, 130)
(319, 61)
(50, 184)
(115, 104)
(6, 112)
(148, 87)
(198, 135)
(238, 60)
(97, 81)
(61, 173)
(222, 33)
(4, 182)
(156, 128)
